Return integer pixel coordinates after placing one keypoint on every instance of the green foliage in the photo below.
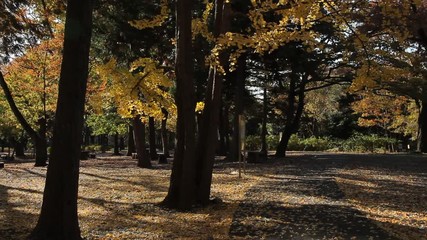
(309, 144)
(365, 143)
(94, 148)
(253, 142)
(272, 141)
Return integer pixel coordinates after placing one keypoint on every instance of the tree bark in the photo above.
(116, 144)
(139, 136)
(293, 114)
(264, 146)
(208, 135)
(131, 142)
(422, 127)
(181, 193)
(58, 218)
(223, 131)
(152, 139)
(238, 110)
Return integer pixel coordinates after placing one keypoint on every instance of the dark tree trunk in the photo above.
(164, 133)
(238, 110)
(41, 144)
(422, 128)
(131, 142)
(139, 136)
(264, 146)
(20, 148)
(223, 131)
(121, 143)
(182, 187)
(152, 139)
(116, 144)
(58, 218)
(294, 113)
(208, 135)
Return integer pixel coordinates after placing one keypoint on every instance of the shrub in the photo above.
(253, 143)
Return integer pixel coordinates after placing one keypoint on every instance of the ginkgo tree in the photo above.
(139, 92)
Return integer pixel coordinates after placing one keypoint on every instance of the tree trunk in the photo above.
(238, 102)
(41, 144)
(116, 144)
(131, 142)
(121, 143)
(20, 145)
(293, 114)
(58, 218)
(223, 131)
(182, 187)
(139, 136)
(152, 139)
(208, 136)
(422, 128)
(164, 133)
(264, 146)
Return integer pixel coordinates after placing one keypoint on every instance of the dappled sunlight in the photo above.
(336, 197)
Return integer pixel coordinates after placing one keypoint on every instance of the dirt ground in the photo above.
(304, 196)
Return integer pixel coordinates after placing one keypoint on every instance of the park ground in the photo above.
(304, 196)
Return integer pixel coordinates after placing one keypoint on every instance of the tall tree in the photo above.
(182, 188)
(58, 218)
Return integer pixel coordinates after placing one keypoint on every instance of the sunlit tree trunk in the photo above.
(58, 218)
(240, 76)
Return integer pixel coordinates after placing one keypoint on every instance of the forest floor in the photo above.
(304, 196)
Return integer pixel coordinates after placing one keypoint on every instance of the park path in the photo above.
(301, 202)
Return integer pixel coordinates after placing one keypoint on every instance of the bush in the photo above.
(93, 148)
(365, 143)
(272, 141)
(295, 144)
(253, 143)
(317, 144)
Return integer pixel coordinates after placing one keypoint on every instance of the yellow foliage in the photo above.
(142, 89)
(157, 21)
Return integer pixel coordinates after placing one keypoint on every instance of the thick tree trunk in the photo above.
(164, 133)
(182, 187)
(116, 144)
(152, 139)
(139, 136)
(422, 128)
(131, 142)
(58, 218)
